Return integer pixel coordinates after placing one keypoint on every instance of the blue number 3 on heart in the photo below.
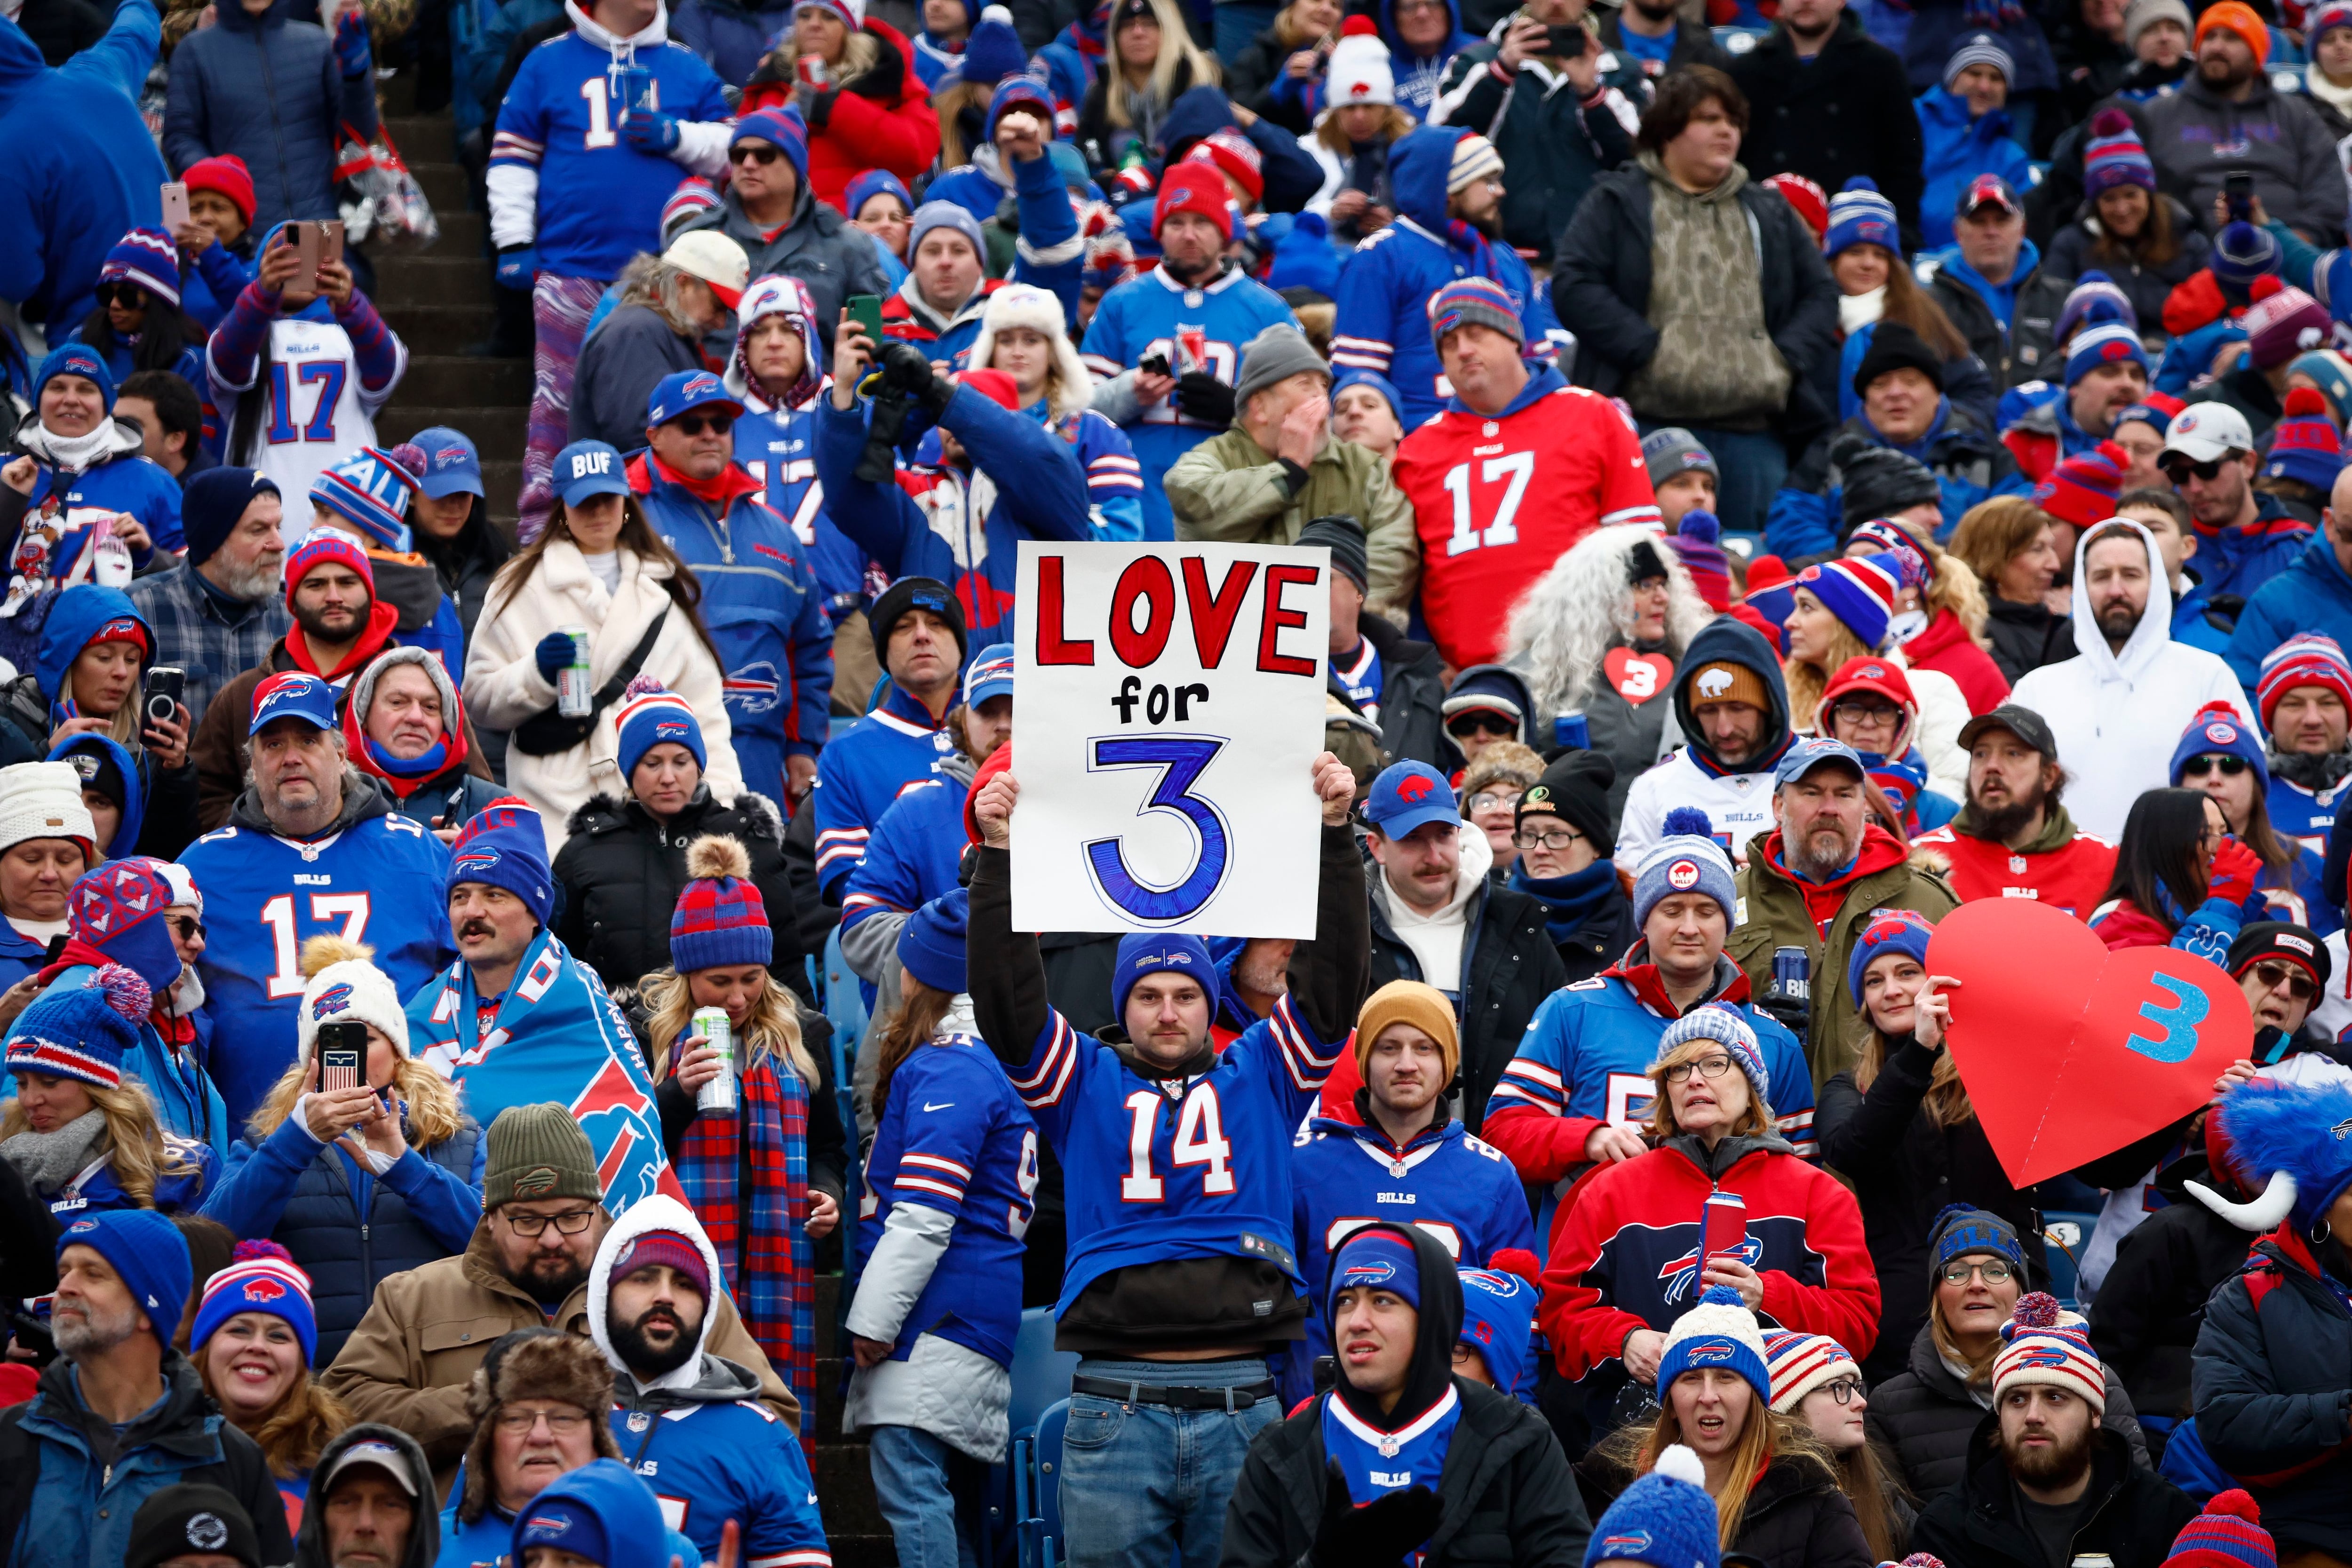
(1181, 761)
(2178, 1021)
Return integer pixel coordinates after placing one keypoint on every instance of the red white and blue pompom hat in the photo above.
(1801, 1363)
(371, 489)
(2229, 1533)
(1859, 591)
(2307, 658)
(652, 714)
(263, 1278)
(146, 257)
(2042, 1343)
(84, 1031)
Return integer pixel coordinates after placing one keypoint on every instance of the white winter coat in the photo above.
(503, 684)
(2118, 717)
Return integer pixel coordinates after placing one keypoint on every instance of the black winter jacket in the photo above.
(2026, 637)
(1253, 71)
(1508, 968)
(1797, 1516)
(1905, 1169)
(1412, 695)
(1980, 1523)
(2274, 1396)
(2022, 353)
(1601, 288)
(1506, 1490)
(1559, 144)
(622, 871)
(2151, 1304)
(2074, 250)
(1847, 112)
(1925, 1416)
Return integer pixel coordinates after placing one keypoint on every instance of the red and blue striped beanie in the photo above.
(263, 1278)
(650, 715)
(2307, 658)
(144, 257)
(84, 1031)
(2228, 1534)
(1479, 301)
(721, 920)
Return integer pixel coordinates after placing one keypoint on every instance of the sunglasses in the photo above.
(127, 295)
(1493, 723)
(2277, 975)
(758, 153)
(2198, 767)
(2179, 468)
(185, 928)
(695, 424)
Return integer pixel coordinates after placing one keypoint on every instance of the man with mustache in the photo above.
(688, 1419)
(409, 1363)
(2046, 1480)
(119, 1416)
(2013, 839)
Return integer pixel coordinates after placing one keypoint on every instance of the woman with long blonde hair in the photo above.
(254, 1338)
(1152, 62)
(361, 1166)
(765, 1180)
(80, 1133)
(1775, 1484)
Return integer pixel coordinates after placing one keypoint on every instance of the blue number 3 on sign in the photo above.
(2178, 1022)
(1181, 759)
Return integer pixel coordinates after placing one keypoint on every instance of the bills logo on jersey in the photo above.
(1680, 1274)
(754, 688)
(264, 1289)
(334, 999)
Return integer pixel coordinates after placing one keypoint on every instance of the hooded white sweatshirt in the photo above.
(2117, 717)
(1435, 939)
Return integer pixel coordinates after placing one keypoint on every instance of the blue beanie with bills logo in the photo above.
(1381, 1257)
(1665, 1519)
(1686, 859)
(1151, 953)
(1720, 1331)
(506, 847)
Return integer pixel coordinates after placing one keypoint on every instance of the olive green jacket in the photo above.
(1229, 490)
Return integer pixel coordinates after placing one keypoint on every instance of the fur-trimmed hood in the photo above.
(610, 813)
(1039, 310)
(533, 1363)
(1581, 607)
(659, 1212)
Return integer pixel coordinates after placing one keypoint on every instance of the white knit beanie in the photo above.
(346, 990)
(43, 800)
(1359, 72)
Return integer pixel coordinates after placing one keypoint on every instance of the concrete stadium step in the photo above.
(445, 186)
(423, 137)
(458, 278)
(439, 329)
(493, 429)
(450, 381)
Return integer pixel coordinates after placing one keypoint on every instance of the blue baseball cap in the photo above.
(990, 674)
(587, 468)
(1804, 756)
(292, 694)
(1407, 796)
(683, 390)
(452, 464)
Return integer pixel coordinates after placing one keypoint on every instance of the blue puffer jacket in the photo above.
(2240, 559)
(2273, 1402)
(2313, 594)
(351, 1229)
(1957, 150)
(271, 91)
(731, 39)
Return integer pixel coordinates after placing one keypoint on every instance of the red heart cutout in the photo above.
(1638, 677)
(2069, 1051)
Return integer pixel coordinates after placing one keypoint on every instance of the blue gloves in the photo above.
(515, 264)
(352, 42)
(651, 130)
(553, 654)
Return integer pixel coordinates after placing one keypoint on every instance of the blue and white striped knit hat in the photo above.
(1727, 1028)
(1686, 859)
(1978, 49)
(1862, 214)
(371, 489)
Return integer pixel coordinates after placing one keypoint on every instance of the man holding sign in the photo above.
(1176, 1163)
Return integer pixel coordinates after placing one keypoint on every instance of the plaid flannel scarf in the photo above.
(759, 1232)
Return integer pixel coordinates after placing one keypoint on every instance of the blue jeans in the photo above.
(1754, 466)
(927, 1491)
(1139, 1479)
(1238, 26)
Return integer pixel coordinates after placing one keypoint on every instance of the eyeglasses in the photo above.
(2198, 767)
(759, 152)
(1489, 799)
(718, 423)
(1556, 839)
(1708, 1067)
(2179, 469)
(570, 1224)
(1956, 1272)
(561, 1423)
(1844, 1390)
(2278, 974)
(1869, 713)
(184, 927)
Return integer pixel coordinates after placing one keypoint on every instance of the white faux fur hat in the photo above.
(345, 987)
(1040, 310)
(43, 800)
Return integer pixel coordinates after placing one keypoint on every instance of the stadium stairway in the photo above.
(439, 301)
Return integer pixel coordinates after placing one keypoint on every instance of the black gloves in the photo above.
(1381, 1534)
(907, 370)
(1203, 399)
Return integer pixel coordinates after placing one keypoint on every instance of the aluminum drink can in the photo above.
(718, 1094)
(574, 697)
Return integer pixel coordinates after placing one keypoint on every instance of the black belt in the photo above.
(1239, 1396)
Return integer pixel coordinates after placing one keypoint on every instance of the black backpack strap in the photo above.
(549, 731)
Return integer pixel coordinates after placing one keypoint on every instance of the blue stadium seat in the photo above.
(1041, 1374)
(845, 1005)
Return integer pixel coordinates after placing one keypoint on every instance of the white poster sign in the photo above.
(1169, 701)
